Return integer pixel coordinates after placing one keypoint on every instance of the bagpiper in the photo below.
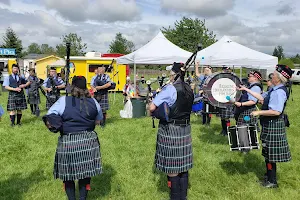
(52, 85)
(33, 92)
(174, 154)
(15, 84)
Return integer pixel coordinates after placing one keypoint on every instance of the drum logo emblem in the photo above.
(223, 87)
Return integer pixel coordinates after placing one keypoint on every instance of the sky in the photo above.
(257, 24)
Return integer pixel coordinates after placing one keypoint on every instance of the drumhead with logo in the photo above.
(220, 89)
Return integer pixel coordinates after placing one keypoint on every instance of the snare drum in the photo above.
(243, 137)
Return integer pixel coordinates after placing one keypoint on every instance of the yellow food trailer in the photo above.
(86, 66)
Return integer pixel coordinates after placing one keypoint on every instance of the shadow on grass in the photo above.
(252, 163)
(101, 185)
(162, 183)
(208, 135)
(16, 185)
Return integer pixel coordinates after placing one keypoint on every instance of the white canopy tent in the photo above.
(228, 52)
(159, 51)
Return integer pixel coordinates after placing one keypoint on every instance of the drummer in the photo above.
(274, 141)
(206, 117)
(226, 113)
(247, 102)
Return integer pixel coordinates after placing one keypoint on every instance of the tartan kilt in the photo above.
(102, 99)
(50, 103)
(275, 146)
(253, 120)
(16, 101)
(226, 113)
(32, 99)
(173, 149)
(77, 156)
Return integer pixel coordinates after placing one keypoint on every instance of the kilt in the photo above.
(50, 103)
(226, 113)
(77, 156)
(16, 101)
(102, 99)
(253, 120)
(32, 99)
(173, 149)
(275, 146)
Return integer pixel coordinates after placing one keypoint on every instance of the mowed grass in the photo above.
(128, 147)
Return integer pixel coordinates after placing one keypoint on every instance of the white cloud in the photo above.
(7, 2)
(99, 10)
(203, 8)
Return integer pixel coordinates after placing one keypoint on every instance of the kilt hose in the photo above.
(16, 101)
(275, 146)
(102, 99)
(77, 156)
(173, 149)
(253, 120)
(226, 113)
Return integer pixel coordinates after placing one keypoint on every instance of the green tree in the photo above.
(296, 59)
(46, 49)
(33, 48)
(188, 33)
(78, 48)
(11, 40)
(121, 45)
(288, 62)
(279, 52)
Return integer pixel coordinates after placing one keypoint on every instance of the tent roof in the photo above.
(158, 51)
(228, 52)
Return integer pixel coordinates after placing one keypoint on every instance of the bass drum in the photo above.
(219, 89)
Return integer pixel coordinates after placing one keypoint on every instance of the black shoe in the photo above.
(263, 180)
(268, 184)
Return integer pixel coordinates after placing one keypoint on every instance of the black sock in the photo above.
(84, 187)
(273, 173)
(184, 183)
(224, 127)
(70, 189)
(31, 107)
(174, 185)
(34, 107)
(19, 116)
(204, 117)
(12, 119)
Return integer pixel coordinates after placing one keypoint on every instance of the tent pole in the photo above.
(134, 78)
(241, 72)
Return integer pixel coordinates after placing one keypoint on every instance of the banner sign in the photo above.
(7, 52)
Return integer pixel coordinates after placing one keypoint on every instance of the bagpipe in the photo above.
(163, 110)
(100, 82)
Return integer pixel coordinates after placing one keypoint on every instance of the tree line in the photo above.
(186, 33)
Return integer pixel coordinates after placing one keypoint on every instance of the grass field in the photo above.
(128, 147)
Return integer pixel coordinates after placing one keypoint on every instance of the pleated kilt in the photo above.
(226, 113)
(253, 120)
(102, 99)
(49, 102)
(32, 99)
(173, 149)
(16, 101)
(274, 141)
(77, 156)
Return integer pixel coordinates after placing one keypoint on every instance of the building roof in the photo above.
(35, 56)
(44, 58)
